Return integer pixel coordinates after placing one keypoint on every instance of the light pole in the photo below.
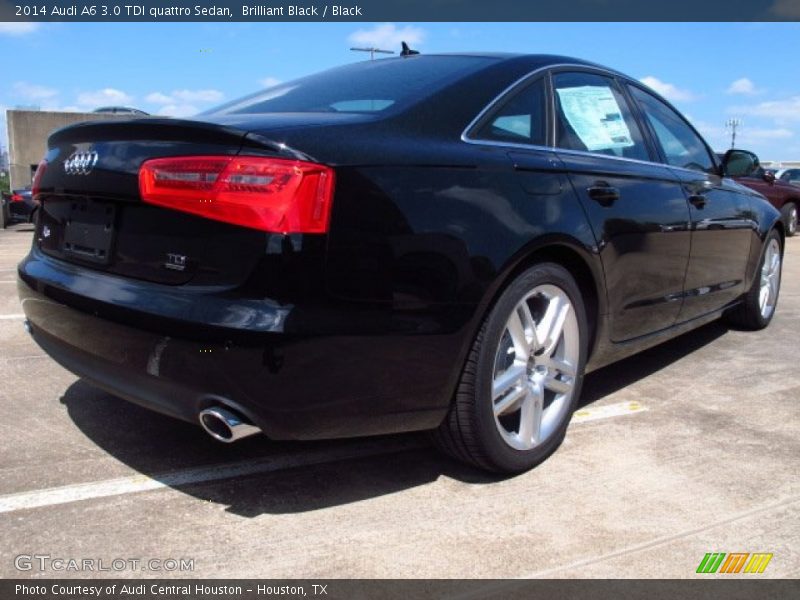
(372, 51)
(733, 125)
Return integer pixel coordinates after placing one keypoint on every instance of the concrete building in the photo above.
(27, 139)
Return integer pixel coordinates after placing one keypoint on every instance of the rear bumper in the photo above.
(292, 385)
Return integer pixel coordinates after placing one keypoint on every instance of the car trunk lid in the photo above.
(92, 213)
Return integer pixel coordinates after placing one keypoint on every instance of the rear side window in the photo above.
(522, 119)
(593, 116)
(364, 87)
(682, 147)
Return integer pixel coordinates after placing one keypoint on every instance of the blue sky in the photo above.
(711, 71)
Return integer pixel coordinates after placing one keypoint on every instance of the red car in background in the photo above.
(781, 194)
(18, 205)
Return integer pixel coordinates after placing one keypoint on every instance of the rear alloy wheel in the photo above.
(758, 305)
(789, 214)
(523, 377)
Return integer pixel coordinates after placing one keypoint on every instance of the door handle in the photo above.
(603, 193)
(698, 200)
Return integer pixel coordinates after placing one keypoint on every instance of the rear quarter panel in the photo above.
(431, 246)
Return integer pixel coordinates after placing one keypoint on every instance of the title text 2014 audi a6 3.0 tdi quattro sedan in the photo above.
(426, 242)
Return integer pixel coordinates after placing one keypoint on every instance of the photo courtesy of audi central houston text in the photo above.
(439, 242)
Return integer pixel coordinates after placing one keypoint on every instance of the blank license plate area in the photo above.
(89, 231)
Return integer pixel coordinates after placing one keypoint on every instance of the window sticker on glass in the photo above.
(594, 114)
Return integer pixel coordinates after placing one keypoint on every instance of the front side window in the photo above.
(682, 147)
(593, 116)
(521, 120)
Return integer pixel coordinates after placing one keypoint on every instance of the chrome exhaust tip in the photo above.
(225, 425)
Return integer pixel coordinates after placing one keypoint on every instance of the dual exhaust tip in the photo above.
(226, 425)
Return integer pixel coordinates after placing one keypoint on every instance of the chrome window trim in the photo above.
(712, 155)
(610, 157)
(554, 149)
(499, 98)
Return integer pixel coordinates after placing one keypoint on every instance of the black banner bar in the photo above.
(399, 10)
(732, 588)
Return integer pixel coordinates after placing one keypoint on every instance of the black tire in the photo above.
(748, 314)
(469, 432)
(789, 216)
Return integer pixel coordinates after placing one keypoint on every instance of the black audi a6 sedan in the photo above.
(442, 242)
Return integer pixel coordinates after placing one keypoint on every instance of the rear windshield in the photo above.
(364, 87)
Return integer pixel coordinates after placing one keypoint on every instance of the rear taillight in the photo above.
(16, 197)
(271, 194)
(37, 180)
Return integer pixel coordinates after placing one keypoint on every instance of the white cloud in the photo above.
(789, 9)
(387, 36)
(158, 98)
(783, 111)
(747, 136)
(198, 95)
(22, 28)
(743, 86)
(183, 102)
(270, 82)
(178, 110)
(31, 91)
(104, 97)
(776, 133)
(668, 90)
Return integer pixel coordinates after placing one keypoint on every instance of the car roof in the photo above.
(533, 60)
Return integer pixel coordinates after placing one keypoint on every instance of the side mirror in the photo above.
(739, 163)
(769, 176)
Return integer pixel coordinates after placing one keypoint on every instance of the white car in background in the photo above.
(791, 175)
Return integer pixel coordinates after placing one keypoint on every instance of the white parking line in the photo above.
(508, 587)
(12, 317)
(28, 357)
(142, 483)
(593, 413)
(662, 540)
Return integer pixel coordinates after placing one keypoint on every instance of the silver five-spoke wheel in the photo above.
(535, 367)
(770, 279)
(522, 378)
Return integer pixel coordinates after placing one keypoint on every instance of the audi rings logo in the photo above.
(80, 163)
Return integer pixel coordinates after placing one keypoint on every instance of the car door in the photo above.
(636, 208)
(722, 223)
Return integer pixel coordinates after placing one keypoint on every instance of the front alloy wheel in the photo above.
(789, 213)
(535, 368)
(757, 306)
(770, 279)
(523, 376)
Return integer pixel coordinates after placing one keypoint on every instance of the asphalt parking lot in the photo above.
(689, 448)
